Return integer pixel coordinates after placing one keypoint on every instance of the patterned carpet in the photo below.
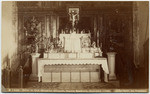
(70, 86)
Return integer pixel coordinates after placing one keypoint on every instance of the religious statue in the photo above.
(94, 45)
(74, 18)
(94, 48)
(52, 48)
(86, 41)
(59, 43)
(36, 48)
(60, 46)
(83, 31)
(48, 47)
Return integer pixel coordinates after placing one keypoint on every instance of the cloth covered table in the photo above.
(96, 61)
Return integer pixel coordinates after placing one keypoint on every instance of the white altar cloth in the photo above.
(68, 55)
(98, 61)
(72, 42)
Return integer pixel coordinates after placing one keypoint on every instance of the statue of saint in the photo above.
(36, 48)
(52, 48)
(59, 43)
(94, 45)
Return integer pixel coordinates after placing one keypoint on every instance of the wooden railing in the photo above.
(6, 73)
(21, 74)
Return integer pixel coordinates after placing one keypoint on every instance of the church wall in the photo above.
(140, 30)
(143, 27)
(10, 56)
(9, 35)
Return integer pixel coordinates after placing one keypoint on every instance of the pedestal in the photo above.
(111, 65)
(33, 75)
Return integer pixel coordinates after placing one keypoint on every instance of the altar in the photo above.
(78, 62)
(72, 70)
(71, 58)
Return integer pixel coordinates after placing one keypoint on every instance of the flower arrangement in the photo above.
(32, 34)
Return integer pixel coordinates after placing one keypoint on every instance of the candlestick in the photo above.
(98, 38)
(101, 45)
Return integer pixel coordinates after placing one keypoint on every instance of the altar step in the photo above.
(71, 73)
(72, 86)
(71, 77)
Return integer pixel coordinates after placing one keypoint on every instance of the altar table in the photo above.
(94, 61)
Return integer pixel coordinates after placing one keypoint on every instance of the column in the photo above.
(35, 56)
(111, 65)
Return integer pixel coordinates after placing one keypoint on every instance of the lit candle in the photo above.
(26, 33)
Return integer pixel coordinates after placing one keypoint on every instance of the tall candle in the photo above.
(26, 33)
(98, 38)
(101, 45)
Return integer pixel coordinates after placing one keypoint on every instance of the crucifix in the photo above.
(74, 16)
